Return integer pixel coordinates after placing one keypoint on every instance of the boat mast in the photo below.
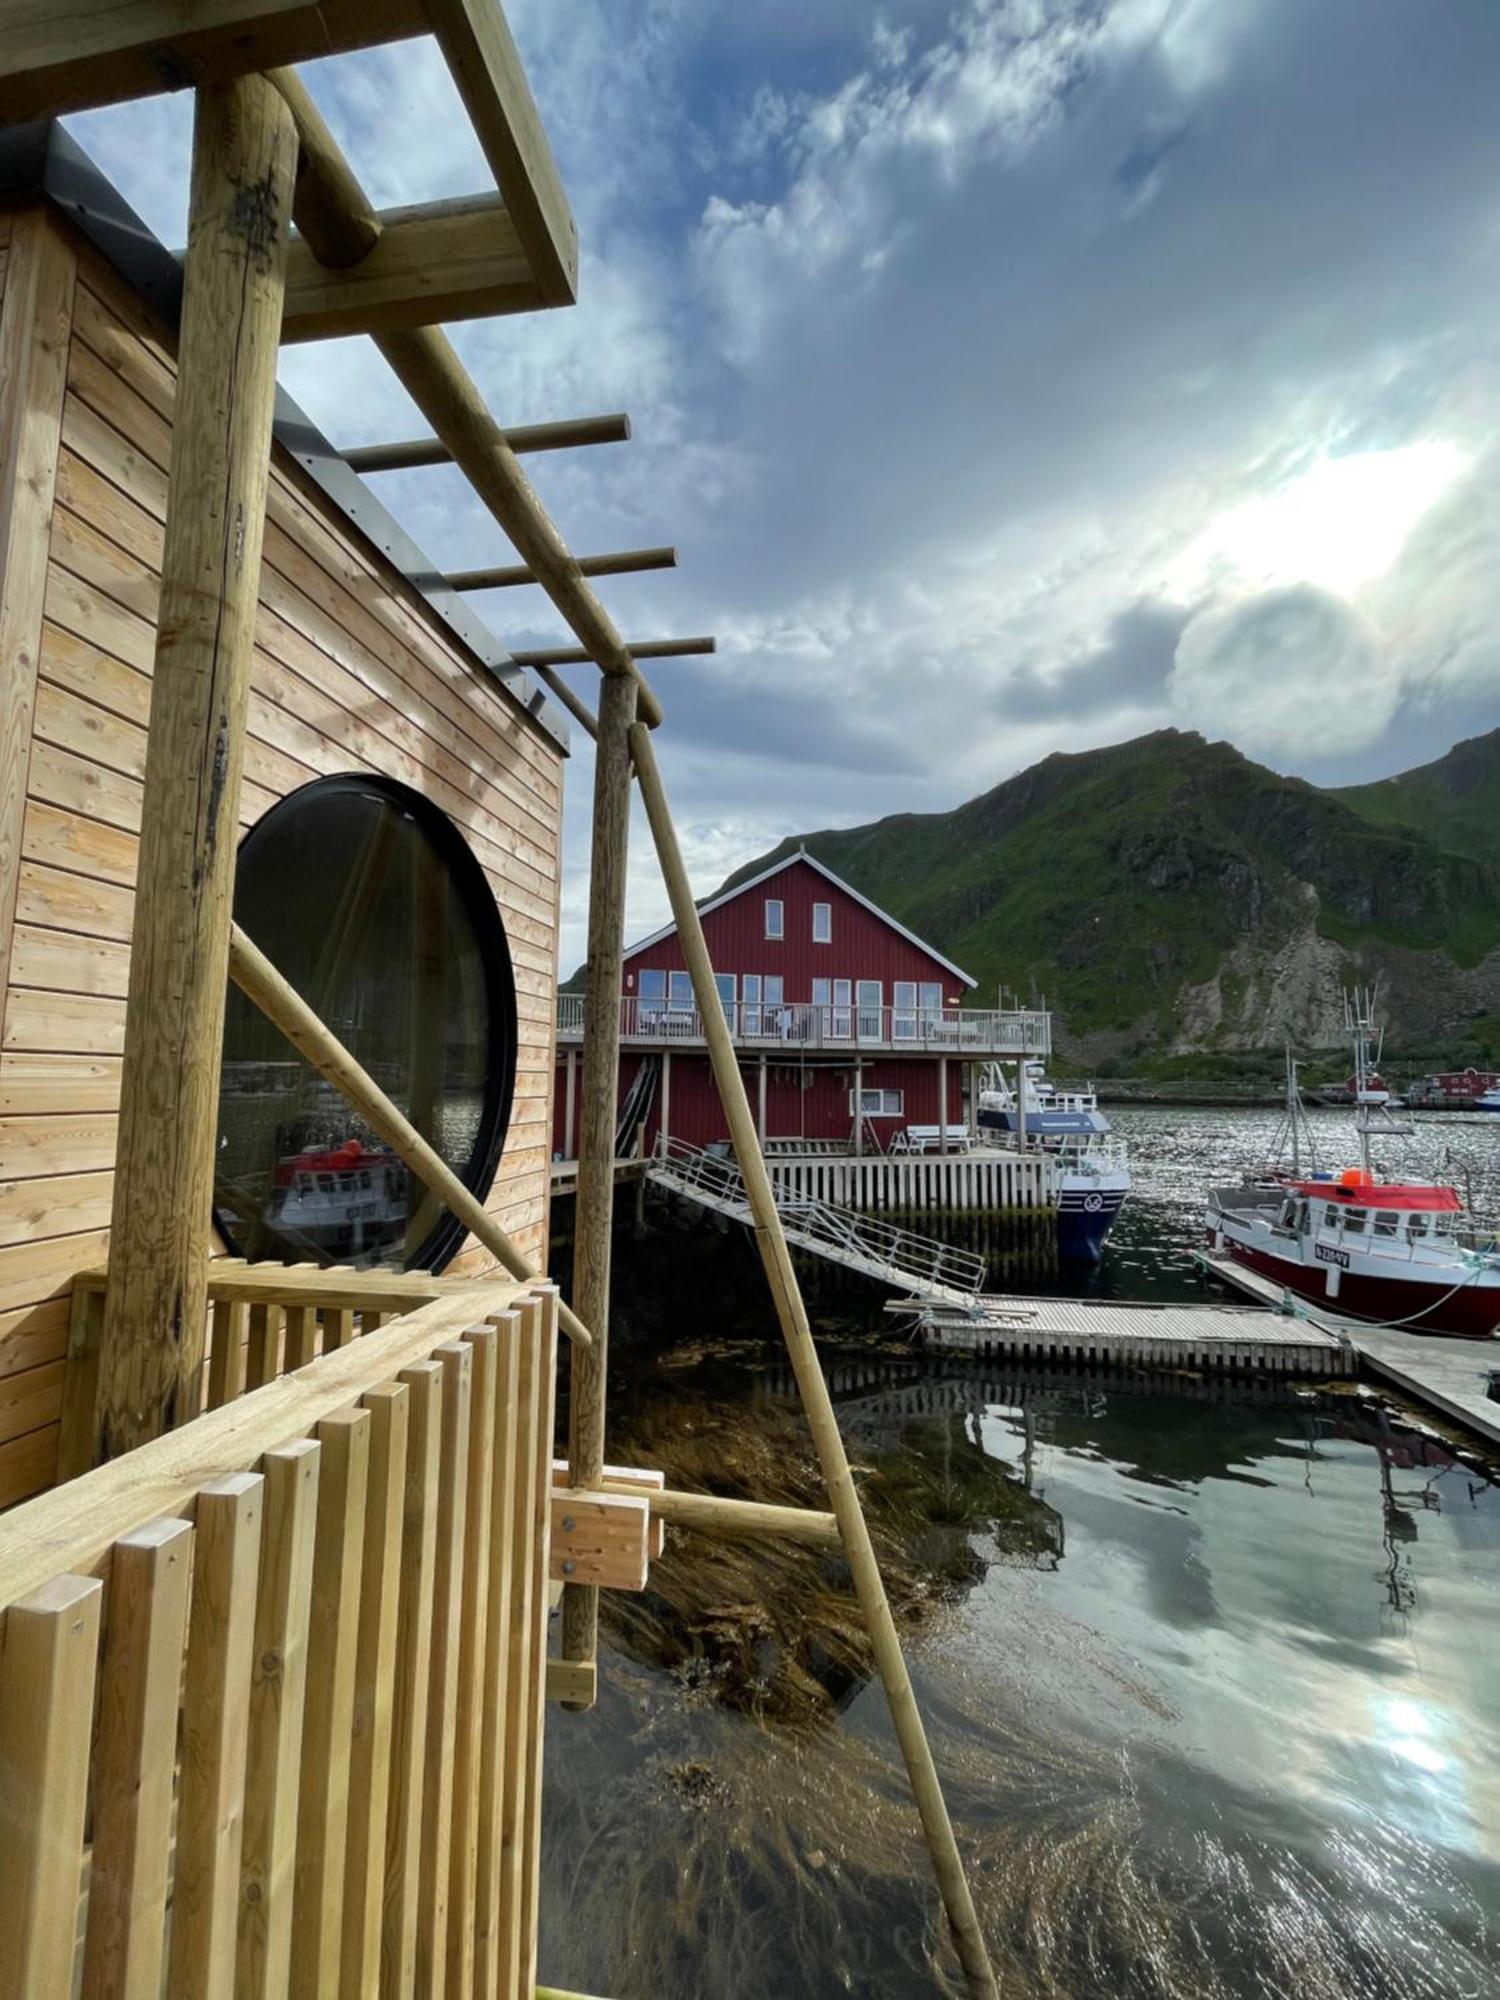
(1359, 1021)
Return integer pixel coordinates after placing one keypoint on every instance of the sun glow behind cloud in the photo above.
(1341, 524)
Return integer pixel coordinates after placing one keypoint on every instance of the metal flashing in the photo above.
(42, 158)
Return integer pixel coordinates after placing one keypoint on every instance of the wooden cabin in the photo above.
(399, 826)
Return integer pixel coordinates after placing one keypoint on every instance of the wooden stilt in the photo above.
(594, 1208)
(155, 1322)
(664, 1123)
(842, 1493)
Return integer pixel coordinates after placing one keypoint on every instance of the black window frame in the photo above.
(471, 885)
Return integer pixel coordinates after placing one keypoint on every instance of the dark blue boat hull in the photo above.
(1084, 1219)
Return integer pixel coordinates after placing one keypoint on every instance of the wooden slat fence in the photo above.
(271, 1687)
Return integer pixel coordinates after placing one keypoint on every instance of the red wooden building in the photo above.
(833, 1004)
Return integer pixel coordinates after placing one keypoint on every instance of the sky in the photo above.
(1013, 376)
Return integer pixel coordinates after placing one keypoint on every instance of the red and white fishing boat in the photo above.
(1363, 1245)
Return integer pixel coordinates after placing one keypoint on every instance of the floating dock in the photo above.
(1449, 1376)
(1086, 1333)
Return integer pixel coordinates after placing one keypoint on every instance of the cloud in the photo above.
(1278, 669)
(1131, 669)
(1012, 375)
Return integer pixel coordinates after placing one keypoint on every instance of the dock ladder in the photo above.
(928, 1269)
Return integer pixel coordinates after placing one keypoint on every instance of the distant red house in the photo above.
(827, 996)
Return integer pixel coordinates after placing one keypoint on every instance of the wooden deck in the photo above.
(1087, 1333)
(564, 1174)
(1448, 1376)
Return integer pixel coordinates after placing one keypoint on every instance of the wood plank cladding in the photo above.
(352, 673)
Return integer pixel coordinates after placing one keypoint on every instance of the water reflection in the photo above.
(1206, 1679)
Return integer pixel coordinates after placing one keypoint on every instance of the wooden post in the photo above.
(665, 1127)
(760, 1120)
(155, 1323)
(859, 1107)
(942, 1104)
(792, 1313)
(593, 1212)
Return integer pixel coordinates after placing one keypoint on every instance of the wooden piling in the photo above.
(792, 1313)
(155, 1323)
(594, 1209)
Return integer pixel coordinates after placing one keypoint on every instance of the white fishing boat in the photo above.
(1364, 1244)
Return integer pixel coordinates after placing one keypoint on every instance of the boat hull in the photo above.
(1470, 1313)
(1085, 1215)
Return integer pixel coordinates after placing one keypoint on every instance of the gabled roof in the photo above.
(812, 861)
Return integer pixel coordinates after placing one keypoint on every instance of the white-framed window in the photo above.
(652, 988)
(775, 917)
(904, 1010)
(761, 1010)
(831, 1005)
(868, 995)
(822, 923)
(879, 1103)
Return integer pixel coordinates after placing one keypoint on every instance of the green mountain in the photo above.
(1455, 801)
(1170, 898)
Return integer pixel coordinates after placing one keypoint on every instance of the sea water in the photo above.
(1209, 1673)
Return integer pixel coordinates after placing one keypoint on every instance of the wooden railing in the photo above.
(271, 1685)
(970, 1032)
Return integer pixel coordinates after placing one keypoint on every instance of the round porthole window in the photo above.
(369, 901)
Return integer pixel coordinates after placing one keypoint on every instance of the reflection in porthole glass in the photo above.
(368, 900)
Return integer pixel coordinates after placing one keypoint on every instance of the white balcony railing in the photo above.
(973, 1032)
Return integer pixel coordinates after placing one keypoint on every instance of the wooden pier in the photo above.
(563, 1174)
(1448, 1376)
(1088, 1334)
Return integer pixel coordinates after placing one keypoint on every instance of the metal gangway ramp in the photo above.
(924, 1267)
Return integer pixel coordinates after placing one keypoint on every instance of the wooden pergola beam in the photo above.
(560, 436)
(625, 562)
(440, 386)
(485, 65)
(69, 55)
(445, 260)
(580, 711)
(643, 649)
